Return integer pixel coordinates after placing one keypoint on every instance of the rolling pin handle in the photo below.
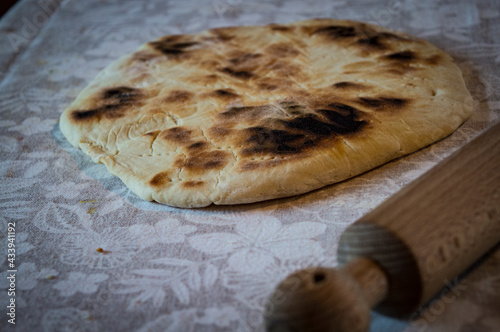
(323, 299)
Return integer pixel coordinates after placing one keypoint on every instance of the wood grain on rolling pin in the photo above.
(432, 230)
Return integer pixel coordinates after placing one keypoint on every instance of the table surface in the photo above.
(167, 269)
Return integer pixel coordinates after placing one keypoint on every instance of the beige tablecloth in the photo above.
(167, 269)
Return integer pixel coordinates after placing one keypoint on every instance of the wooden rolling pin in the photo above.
(395, 258)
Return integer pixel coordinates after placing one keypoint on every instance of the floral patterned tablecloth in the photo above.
(167, 269)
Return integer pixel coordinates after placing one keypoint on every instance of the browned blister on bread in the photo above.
(244, 114)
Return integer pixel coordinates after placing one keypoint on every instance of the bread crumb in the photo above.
(87, 201)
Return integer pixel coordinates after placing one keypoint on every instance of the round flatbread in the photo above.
(244, 114)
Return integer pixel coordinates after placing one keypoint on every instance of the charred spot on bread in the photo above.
(373, 42)
(434, 59)
(389, 35)
(267, 140)
(177, 134)
(240, 74)
(291, 107)
(360, 35)
(336, 31)
(192, 184)
(121, 94)
(219, 132)
(173, 45)
(347, 85)
(106, 111)
(235, 111)
(221, 34)
(224, 93)
(342, 123)
(178, 96)
(403, 56)
(197, 145)
(344, 109)
(160, 179)
(282, 50)
(261, 135)
(310, 124)
(204, 160)
(303, 131)
(78, 115)
(244, 58)
(268, 86)
(278, 27)
(111, 104)
(142, 56)
(184, 45)
(381, 103)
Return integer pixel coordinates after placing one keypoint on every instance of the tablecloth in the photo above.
(92, 256)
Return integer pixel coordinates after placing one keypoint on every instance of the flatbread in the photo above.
(245, 114)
